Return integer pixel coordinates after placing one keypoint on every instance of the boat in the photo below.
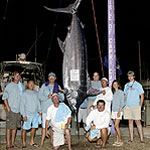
(28, 71)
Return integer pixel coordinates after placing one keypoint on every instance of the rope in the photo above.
(97, 37)
(34, 44)
(5, 11)
(51, 39)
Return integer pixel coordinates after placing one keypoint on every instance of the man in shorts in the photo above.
(134, 97)
(97, 123)
(31, 111)
(12, 97)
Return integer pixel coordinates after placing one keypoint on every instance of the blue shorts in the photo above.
(32, 122)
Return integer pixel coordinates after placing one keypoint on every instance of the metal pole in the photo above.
(36, 38)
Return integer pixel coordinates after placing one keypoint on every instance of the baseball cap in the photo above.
(130, 73)
(105, 79)
(54, 94)
(51, 74)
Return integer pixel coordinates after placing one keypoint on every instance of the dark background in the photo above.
(19, 20)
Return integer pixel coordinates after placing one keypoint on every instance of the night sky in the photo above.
(19, 20)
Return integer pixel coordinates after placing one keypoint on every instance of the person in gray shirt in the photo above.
(31, 111)
(95, 83)
(12, 97)
(117, 109)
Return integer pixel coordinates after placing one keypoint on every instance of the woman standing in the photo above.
(117, 111)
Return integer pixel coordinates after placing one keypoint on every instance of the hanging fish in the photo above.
(76, 80)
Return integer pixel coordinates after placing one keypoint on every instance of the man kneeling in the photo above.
(59, 115)
(98, 124)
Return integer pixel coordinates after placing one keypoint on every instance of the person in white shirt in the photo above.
(106, 94)
(99, 120)
(59, 115)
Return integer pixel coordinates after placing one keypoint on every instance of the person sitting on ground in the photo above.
(31, 111)
(59, 115)
(97, 123)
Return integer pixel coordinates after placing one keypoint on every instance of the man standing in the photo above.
(45, 95)
(95, 83)
(134, 97)
(12, 97)
(98, 120)
(59, 115)
(31, 111)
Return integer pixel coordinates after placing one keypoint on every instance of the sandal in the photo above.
(142, 142)
(34, 145)
(24, 147)
(14, 146)
(119, 144)
(97, 145)
(103, 148)
(130, 141)
(47, 137)
(115, 143)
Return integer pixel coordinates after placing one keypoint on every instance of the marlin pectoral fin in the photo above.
(93, 92)
(82, 25)
(61, 45)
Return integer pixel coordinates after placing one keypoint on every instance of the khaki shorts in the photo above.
(13, 120)
(132, 112)
(82, 114)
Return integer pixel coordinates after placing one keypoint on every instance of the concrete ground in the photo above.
(83, 144)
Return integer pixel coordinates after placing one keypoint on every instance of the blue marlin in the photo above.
(76, 80)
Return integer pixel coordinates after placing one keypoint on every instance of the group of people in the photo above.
(47, 107)
(110, 107)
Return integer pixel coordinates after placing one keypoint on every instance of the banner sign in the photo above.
(111, 42)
